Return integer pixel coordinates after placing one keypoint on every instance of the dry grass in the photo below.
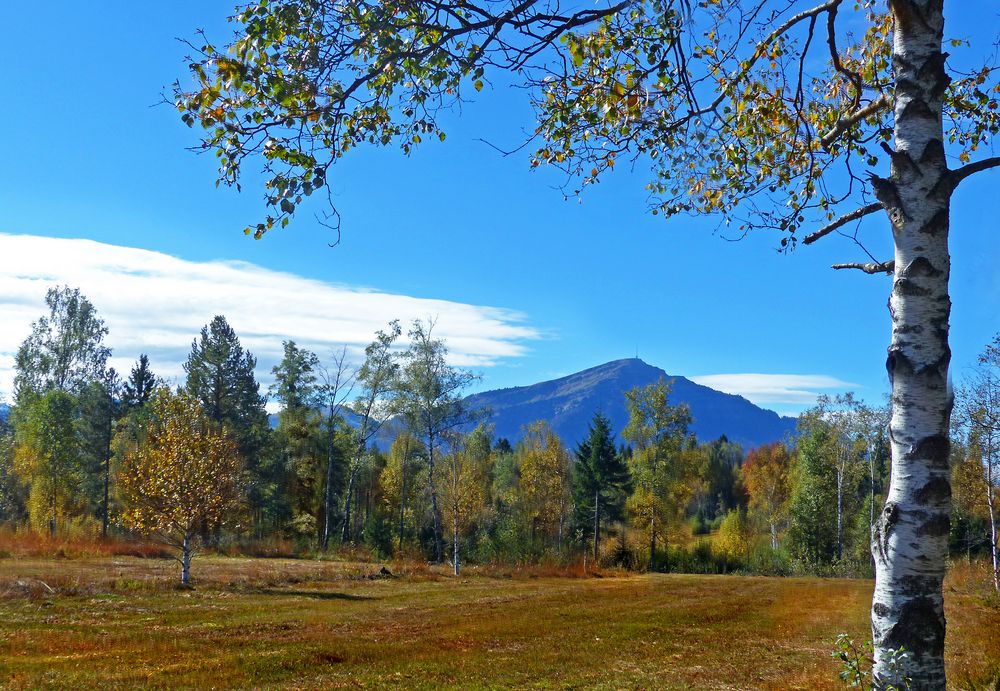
(29, 543)
(322, 624)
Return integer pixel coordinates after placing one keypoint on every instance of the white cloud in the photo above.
(155, 303)
(786, 391)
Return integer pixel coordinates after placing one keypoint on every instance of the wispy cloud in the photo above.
(155, 303)
(785, 392)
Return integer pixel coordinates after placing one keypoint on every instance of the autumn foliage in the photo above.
(181, 477)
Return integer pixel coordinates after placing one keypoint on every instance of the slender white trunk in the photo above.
(840, 509)
(186, 561)
(991, 503)
(458, 568)
(910, 541)
(774, 536)
(435, 509)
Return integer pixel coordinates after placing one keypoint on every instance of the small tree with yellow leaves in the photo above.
(180, 474)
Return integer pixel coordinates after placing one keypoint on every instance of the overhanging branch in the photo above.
(842, 221)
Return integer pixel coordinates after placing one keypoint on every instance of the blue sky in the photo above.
(88, 154)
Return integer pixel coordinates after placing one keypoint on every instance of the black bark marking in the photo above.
(934, 449)
(888, 195)
(933, 153)
(919, 628)
(936, 490)
(886, 524)
(937, 526)
(880, 610)
(921, 266)
(917, 108)
(938, 223)
(904, 286)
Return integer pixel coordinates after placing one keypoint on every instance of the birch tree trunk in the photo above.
(435, 510)
(402, 497)
(186, 561)
(345, 535)
(458, 568)
(597, 522)
(991, 500)
(328, 494)
(840, 505)
(910, 540)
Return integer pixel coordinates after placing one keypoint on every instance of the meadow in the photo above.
(119, 620)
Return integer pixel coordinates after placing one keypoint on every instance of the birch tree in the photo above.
(65, 350)
(544, 470)
(401, 481)
(376, 379)
(466, 483)
(663, 482)
(428, 396)
(979, 416)
(333, 390)
(48, 455)
(780, 115)
(184, 472)
(767, 475)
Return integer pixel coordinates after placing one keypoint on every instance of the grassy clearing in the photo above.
(309, 624)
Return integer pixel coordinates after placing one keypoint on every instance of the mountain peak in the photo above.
(569, 403)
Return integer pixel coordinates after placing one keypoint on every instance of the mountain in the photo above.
(569, 404)
(4, 411)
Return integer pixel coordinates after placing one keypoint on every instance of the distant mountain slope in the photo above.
(569, 403)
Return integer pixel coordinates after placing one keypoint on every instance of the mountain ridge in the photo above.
(568, 404)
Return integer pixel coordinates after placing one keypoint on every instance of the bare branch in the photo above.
(971, 169)
(870, 267)
(842, 221)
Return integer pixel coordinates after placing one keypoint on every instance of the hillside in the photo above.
(569, 403)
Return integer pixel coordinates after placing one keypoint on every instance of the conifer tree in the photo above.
(600, 480)
(220, 375)
(140, 385)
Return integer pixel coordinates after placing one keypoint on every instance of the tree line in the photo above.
(387, 456)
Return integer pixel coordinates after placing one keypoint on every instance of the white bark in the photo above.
(911, 536)
(186, 561)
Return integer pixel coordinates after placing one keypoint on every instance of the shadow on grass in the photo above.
(314, 594)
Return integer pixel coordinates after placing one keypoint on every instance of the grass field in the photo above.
(119, 621)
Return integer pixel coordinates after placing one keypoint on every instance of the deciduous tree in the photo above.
(663, 476)
(48, 455)
(65, 350)
(184, 473)
(544, 466)
(767, 474)
(979, 417)
(428, 395)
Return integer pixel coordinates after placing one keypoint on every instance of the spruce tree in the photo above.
(600, 480)
(141, 384)
(220, 375)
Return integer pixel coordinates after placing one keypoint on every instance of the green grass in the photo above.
(285, 623)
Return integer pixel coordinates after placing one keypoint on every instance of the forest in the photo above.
(382, 457)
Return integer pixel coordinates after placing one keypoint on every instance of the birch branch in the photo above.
(869, 267)
(842, 221)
